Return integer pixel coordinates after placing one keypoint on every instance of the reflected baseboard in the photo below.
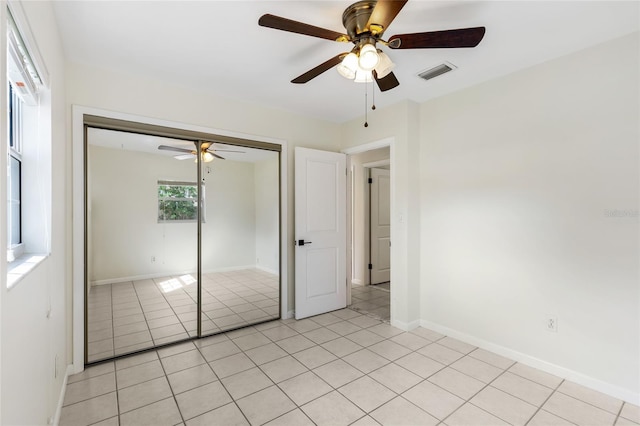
(165, 274)
(265, 269)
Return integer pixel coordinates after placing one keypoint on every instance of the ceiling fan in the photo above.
(365, 22)
(208, 152)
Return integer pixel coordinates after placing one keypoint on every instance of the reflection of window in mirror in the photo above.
(178, 201)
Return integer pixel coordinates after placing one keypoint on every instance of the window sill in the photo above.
(21, 266)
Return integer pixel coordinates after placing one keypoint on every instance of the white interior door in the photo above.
(321, 238)
(380, 226)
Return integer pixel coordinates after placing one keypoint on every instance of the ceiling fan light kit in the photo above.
(365, 22)
(368, 58)
(349, 66)
(385, 66)
(363, 76)
(206, 157)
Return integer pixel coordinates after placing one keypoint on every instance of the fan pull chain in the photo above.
(373, 95)
(366, 124)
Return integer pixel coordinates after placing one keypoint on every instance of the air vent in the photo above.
(437, 70)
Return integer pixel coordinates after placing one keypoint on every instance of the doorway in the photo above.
(370, 220)
(177, 247)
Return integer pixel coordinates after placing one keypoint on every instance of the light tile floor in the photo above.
(338, 368)
(130, 316)
(371, 299)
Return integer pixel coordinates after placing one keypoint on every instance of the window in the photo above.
(28, 160)
(14, 174)
(178, 201)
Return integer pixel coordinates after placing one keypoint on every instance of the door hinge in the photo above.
(370, 266)
(370, 180)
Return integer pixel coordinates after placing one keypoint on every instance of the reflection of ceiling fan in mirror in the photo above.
(208, 152)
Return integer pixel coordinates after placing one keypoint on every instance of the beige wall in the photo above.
(516, 178)
(398, 123)
(31, 340)
(124, 208)
(267, 214)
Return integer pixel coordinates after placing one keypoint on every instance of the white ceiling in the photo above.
(218, 47)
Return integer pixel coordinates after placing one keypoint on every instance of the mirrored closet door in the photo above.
(154, 275)
(240, 238)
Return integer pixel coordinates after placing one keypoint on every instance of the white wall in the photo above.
(267, 214)
(126, 234)
(517, 176)
(29, 340)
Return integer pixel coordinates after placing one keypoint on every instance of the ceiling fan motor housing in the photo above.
(356, 17)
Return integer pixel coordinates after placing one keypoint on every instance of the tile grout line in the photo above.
(115, 378)
(143, 315)
(384, 338)
(245, 285)
(173, 395)
(619, 413)
(233, 400)
(545, 401)
(162, 293)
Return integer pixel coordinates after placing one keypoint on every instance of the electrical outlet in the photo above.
(552, 324)
(153, 259)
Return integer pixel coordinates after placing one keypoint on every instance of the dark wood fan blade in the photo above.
(175, 148)
(284, 24)
(217, 156)
(466, 37)
(314, 72)
(224, 150)
(384, 13)
(387, 82)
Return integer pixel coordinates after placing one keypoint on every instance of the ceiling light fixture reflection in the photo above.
(206, 157)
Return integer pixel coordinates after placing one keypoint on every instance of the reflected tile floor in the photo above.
(130, 316)
(371, 299)
(339, 368)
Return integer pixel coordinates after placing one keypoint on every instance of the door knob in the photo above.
(303, 242)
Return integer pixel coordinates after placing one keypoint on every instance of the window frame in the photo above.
(194, 185)
(14, 152)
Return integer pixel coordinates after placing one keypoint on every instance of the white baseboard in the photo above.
(406, 326)
(63, 391)
(288, 314)
(356, 281)
(269, 270)
(164, 274)
(565, 373)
